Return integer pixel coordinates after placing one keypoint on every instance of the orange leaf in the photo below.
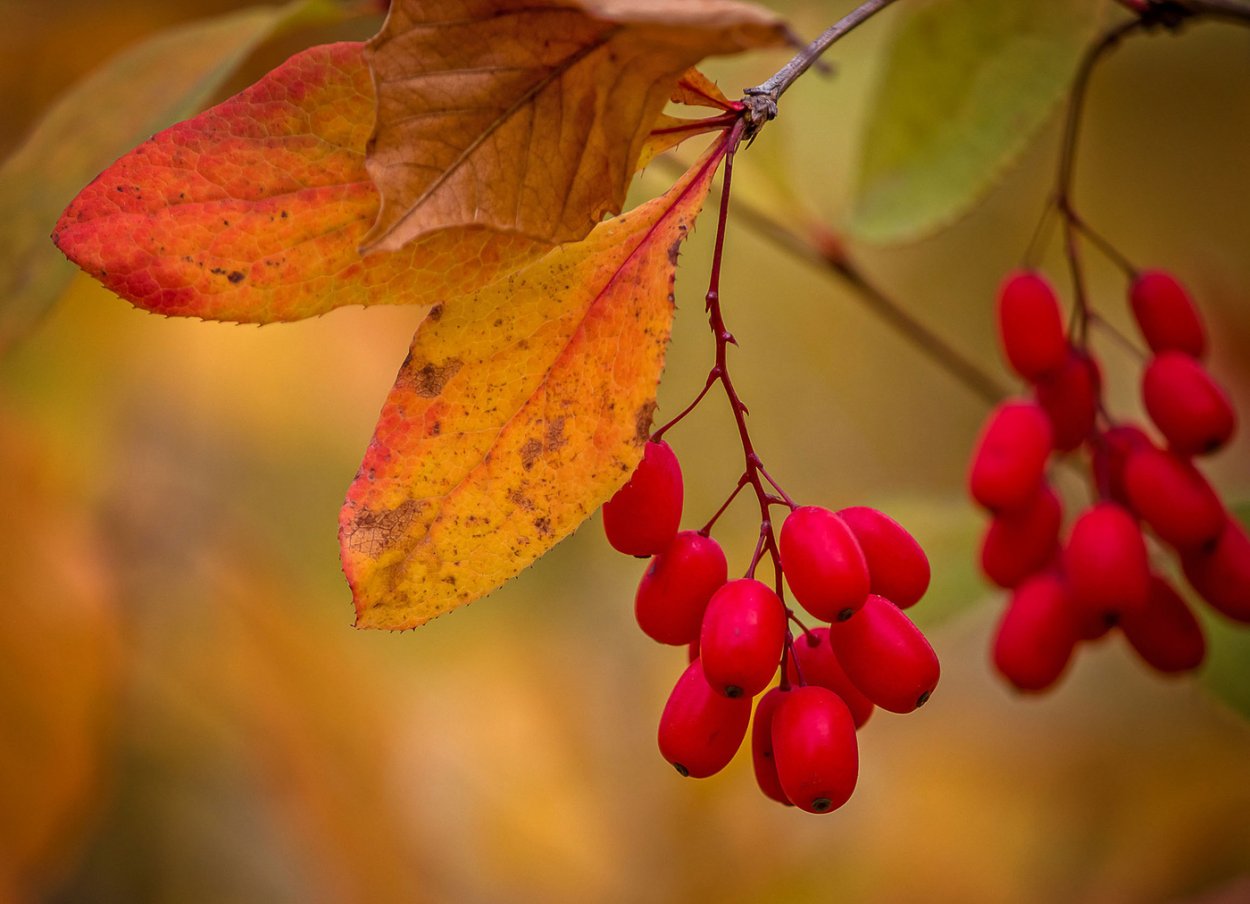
(516, 414)
(529, 116)
(255, 209)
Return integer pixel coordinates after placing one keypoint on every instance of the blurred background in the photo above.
(186, 714)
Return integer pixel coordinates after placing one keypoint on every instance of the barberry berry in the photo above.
(701, 730)
(823, 563)
(1021, 541)
(1105, 562)
(642, 518)
(742, 637)
(1035, 637)
(886, 656)
(1010, 458)
(1069, 396)
(1165, 632)
(1030, 325)
(813, 661)
(898, 569)
(1221, 573)
(762, 745)
(1190, 409)
(676, 587)
(1166, 314)
(1173, 498)
(814, 749)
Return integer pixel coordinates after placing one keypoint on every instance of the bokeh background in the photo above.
(186, 714)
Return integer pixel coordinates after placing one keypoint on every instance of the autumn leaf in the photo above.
(693, 89)
(142, 89)
(517, 413)
(529, 116)
(253, 211)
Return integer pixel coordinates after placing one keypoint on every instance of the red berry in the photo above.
(1105, 562)
(886, 656)
(1022, 541)
(818, 665)
(1010, 458)
(1172, 496)
(823, 563)
(1036, 634)
(642, 518)
(1166, 314)
(898, 569)
(1187, 406)
(815, 749)
(676, 587)
(743, 633)
(762, 745)
(1030, 325)
(1221, 575)
(1111, 452)
(1165, 632)
(1070, 398)
(701, 730)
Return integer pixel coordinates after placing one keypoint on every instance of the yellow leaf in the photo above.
(529, 116)
(517, 413)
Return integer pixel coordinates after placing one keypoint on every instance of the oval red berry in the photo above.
(1172, 496)
(1030, 325)
(742, 637)
(815, 749)
(1105, 562)
(823, 563)
(1020, 542)
(642, 518)
(762, 746)
(898, 569)
(1166, 314)
(701, 730)
(1010, 457)
(818, 664)
(1165, 632)
(1035, 637)
(676, 587)
(1070, 397)
(1221, 575)
(1190, 409)
(886, 656)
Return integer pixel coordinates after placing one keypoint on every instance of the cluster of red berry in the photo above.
(856, 569)
(1100, 576)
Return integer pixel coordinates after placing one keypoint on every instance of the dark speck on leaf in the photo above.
(236, 276)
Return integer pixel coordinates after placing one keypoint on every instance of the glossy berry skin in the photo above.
(1030, 325)
(1221, 575)
(1165, 632)
(815, 749)
(642, 518)
(676, 588)
(1069, 396)
(1036, 634)
(898, 569)
(1112, 449)
(1022, 541)
(1166, 314)
(823, 563)
(701, 730)
(1171, 495)
(818, 665)
(886, 656)
(742, 636)
(1010, 457)
(762, 746)
(1105, 562)
(1190, 409)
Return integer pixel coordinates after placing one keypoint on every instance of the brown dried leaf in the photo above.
(529, 116)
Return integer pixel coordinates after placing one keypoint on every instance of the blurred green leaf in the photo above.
(138, 92)
(1227, 672)
(966, 84)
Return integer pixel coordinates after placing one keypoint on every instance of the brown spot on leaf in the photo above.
(530, 452)
(674, 250)
(520, 500)
(429, 379)
(543, 526)
(436, 313)
(642, 422)
(373, 532)
(236, 276)
(555, 434)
